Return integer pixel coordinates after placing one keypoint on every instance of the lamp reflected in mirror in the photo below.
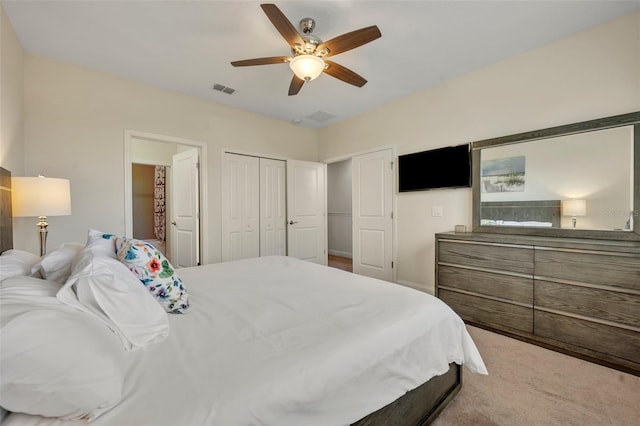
(574, 208)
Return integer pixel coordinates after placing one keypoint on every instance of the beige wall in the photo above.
(11, 98)
(593, 74)
(75, 118)
(74, 128)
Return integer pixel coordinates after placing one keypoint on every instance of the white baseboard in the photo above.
(340, 253)
(418, 286)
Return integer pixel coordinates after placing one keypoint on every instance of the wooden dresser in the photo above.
(577, 296)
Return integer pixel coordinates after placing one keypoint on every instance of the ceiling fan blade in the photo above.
(262, 61)
(282, 24)
(296, 85)
(350, 40)
(344, 74)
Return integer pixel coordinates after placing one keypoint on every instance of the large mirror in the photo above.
(579, 180)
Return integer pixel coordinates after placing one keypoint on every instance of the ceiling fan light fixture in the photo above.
(307, 67)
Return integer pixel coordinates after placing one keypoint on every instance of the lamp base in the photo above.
(42, 231)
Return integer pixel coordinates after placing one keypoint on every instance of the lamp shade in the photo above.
(40, 196)
(574, 208)
(307, 67)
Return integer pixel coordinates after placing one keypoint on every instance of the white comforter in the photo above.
(278, 341)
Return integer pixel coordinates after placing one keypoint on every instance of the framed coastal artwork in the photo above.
(503, 174)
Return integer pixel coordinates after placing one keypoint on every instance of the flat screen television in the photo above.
(448, 167)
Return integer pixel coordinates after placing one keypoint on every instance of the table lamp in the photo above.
(574, 208)
(40, 197)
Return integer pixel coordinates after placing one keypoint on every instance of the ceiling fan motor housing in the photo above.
(307, 25)
(311, 42)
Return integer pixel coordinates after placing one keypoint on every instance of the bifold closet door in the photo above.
(240, 207)
(273, 208)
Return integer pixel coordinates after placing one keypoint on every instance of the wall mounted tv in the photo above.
(448, 167)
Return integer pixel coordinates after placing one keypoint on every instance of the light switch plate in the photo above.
(436, 211)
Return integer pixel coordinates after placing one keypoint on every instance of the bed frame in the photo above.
(522, 211)
(420, 406)
(6, 224)
(417, 407)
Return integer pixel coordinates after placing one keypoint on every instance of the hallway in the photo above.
(344, 263)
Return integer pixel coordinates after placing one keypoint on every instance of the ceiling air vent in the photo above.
(223, 89)
(321, 116)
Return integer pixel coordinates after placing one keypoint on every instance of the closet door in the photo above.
(241, 207)
(273, 217)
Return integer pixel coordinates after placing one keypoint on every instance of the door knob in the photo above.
(292, 222)
(174, 223)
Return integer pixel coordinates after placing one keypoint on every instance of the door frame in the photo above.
(130, 134)
(394, 199)
(251, 154)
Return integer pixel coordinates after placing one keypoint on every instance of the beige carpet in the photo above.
(530, 385)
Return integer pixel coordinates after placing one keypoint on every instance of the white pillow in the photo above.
(16, 262)
(56, 266)
(101, 243)
(55, 361)
(104, 287)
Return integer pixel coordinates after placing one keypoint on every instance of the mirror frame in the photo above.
(632, 118)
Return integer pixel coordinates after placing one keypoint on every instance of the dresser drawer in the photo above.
(500, 257)
(514, 288)
(607, 339)
(597, 303)
(496, 314)
(603, 268)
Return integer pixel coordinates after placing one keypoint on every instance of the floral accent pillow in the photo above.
(154, 271)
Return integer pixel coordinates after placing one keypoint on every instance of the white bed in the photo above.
(528, 223)
(279, 341)
(264, 341)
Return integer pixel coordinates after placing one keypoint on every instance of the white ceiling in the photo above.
(187, 46)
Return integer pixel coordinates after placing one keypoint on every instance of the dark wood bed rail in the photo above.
(6, 224)
(420, 406)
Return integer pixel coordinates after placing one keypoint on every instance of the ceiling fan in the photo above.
(309, 52)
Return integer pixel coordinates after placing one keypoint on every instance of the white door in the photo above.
(306, 207)
(241, 207)
(372, 193)
(185, 244)
(273, 218)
